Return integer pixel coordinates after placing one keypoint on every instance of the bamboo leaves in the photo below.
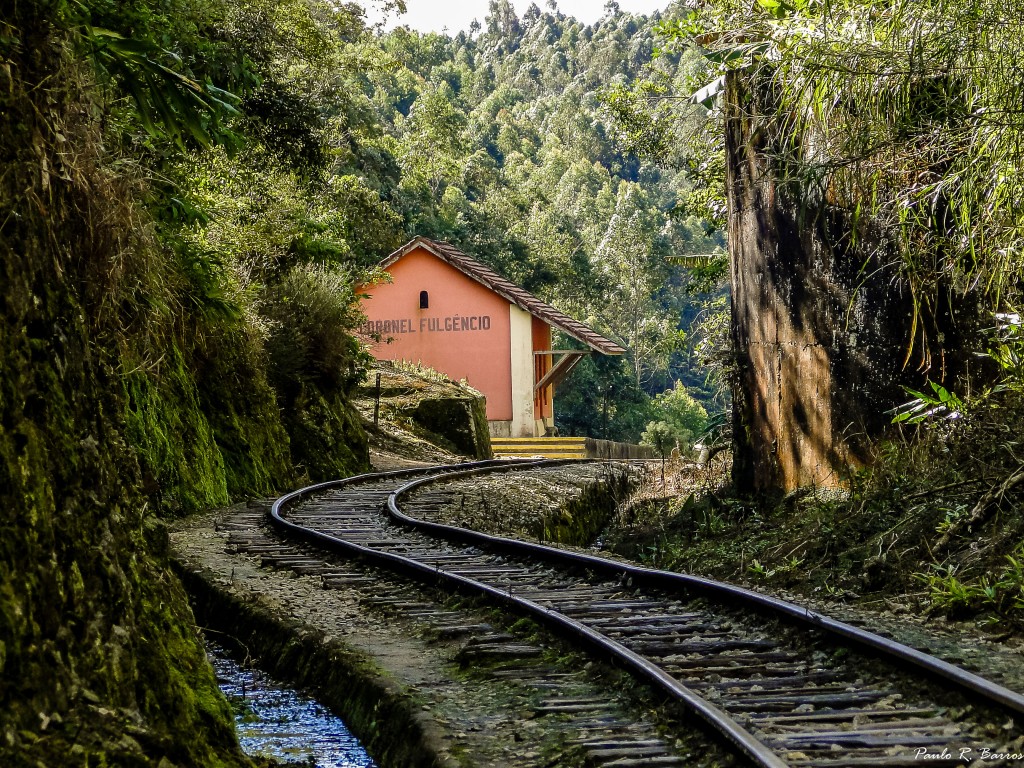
(907, 114)
(169, 103)
(940, 403)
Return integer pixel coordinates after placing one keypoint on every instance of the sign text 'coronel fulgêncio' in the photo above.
(429, 325)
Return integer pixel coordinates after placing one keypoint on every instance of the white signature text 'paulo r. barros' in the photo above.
(966, 754)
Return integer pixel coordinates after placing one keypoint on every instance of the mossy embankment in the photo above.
(122, 400)
(570, 504)
(422, 414)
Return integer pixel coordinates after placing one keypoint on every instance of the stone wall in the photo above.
(609, 449)
(823, 325)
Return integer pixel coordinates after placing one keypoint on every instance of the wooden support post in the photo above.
(376, 402)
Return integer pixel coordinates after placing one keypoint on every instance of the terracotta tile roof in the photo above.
(509, 291)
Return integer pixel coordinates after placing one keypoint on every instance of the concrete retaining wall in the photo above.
(608, 449)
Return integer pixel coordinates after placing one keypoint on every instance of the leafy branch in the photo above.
(169, 103)
(939, 403)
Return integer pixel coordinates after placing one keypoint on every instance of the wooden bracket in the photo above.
(562, 367)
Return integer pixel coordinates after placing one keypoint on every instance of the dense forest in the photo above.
(503, 142)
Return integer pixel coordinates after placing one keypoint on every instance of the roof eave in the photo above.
(611, 348)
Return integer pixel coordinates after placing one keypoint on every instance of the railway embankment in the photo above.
(814, 550)
(661, 636)
(741, 663)
(419, 680)
(568, 505)
(428, 679)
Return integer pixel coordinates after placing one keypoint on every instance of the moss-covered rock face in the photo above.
(419, 404)
(327, 437)
(245, 419)
(182, 467)
(100, 662)
(114, 407)
(459, 422)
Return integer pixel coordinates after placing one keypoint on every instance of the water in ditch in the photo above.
(276, 721)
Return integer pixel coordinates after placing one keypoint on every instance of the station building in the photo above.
(448, 311)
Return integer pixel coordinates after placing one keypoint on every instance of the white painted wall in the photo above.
(499, 428)
(521, 332)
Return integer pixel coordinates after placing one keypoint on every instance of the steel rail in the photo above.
(669, 580)
(713, 716)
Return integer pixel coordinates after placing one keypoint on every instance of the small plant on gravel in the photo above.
(757, 568)
(833, 591)
(1012, 580)
(793, 564)
(949, 595)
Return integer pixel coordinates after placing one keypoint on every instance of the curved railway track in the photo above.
(764, 674)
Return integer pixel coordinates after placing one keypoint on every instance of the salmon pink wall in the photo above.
(463, 333)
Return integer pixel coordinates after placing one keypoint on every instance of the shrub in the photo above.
(313, 310)
(679, 417)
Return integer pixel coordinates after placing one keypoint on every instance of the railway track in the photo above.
(777, 682)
